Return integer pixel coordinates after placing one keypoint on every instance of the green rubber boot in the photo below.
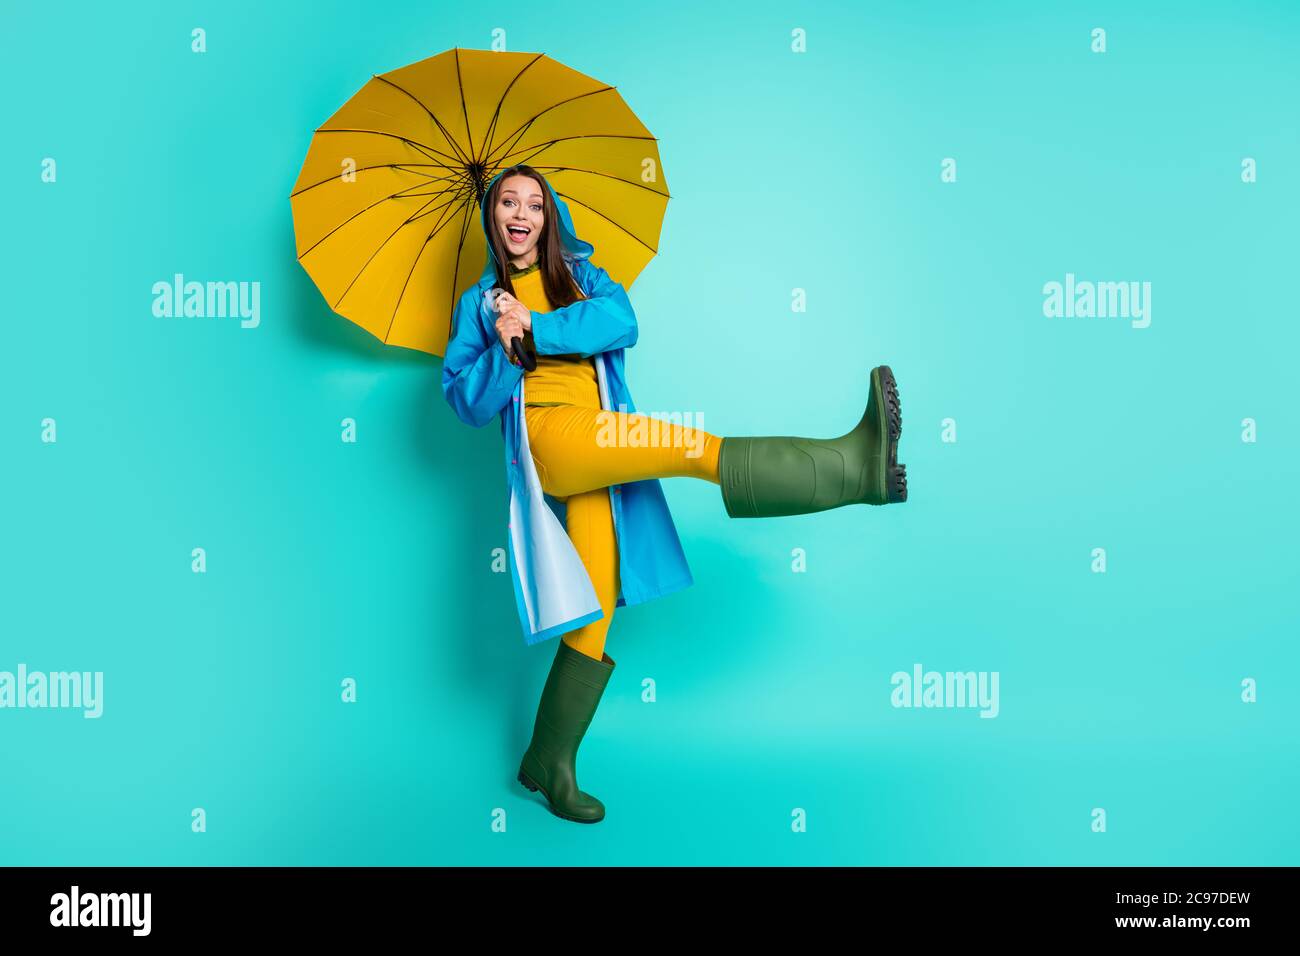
(569, 699)
(766, 477)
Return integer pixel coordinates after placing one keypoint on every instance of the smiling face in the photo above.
(519, 218)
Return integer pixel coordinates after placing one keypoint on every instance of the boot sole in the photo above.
(895, 474)
(527, 781)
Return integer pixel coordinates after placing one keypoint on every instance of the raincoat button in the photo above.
(514, 461)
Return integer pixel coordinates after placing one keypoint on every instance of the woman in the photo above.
(618, 545)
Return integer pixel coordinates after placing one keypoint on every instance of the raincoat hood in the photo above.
(572, 246)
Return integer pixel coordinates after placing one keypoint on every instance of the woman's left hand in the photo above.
(507, 303)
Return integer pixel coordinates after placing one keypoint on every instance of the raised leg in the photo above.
(580, 449)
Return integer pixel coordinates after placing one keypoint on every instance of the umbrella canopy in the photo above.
(386, 209)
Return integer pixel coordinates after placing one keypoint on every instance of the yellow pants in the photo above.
(579, 452)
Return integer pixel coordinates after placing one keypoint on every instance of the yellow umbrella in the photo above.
(386, 210)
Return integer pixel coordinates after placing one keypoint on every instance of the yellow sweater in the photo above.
(562, 379)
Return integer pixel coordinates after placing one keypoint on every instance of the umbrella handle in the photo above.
(526, 358)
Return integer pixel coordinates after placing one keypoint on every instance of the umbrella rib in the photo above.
(455, 272)
(496, 114)
(415, 168)
(457, 177)
(379, 248)
(597, 172)
(532, 119)
(359, 212)
(362, 169)
(603, 216)
(460, 246)
(426, 211)
(407, 281)
(461, 156)
(464, 109)
(428, 177)
(431, 152)
(549, 143)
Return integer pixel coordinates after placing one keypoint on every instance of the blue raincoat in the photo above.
(553, 592)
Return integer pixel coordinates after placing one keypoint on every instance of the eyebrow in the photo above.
(511, 192)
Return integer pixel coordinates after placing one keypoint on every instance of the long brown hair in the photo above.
(558, 282)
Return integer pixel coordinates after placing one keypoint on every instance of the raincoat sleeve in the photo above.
(478, 378)
(602, 322)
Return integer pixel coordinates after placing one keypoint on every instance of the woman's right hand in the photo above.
(508, 327)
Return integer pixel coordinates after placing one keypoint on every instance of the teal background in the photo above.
(817, 171)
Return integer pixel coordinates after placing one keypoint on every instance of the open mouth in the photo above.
(517, 233)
